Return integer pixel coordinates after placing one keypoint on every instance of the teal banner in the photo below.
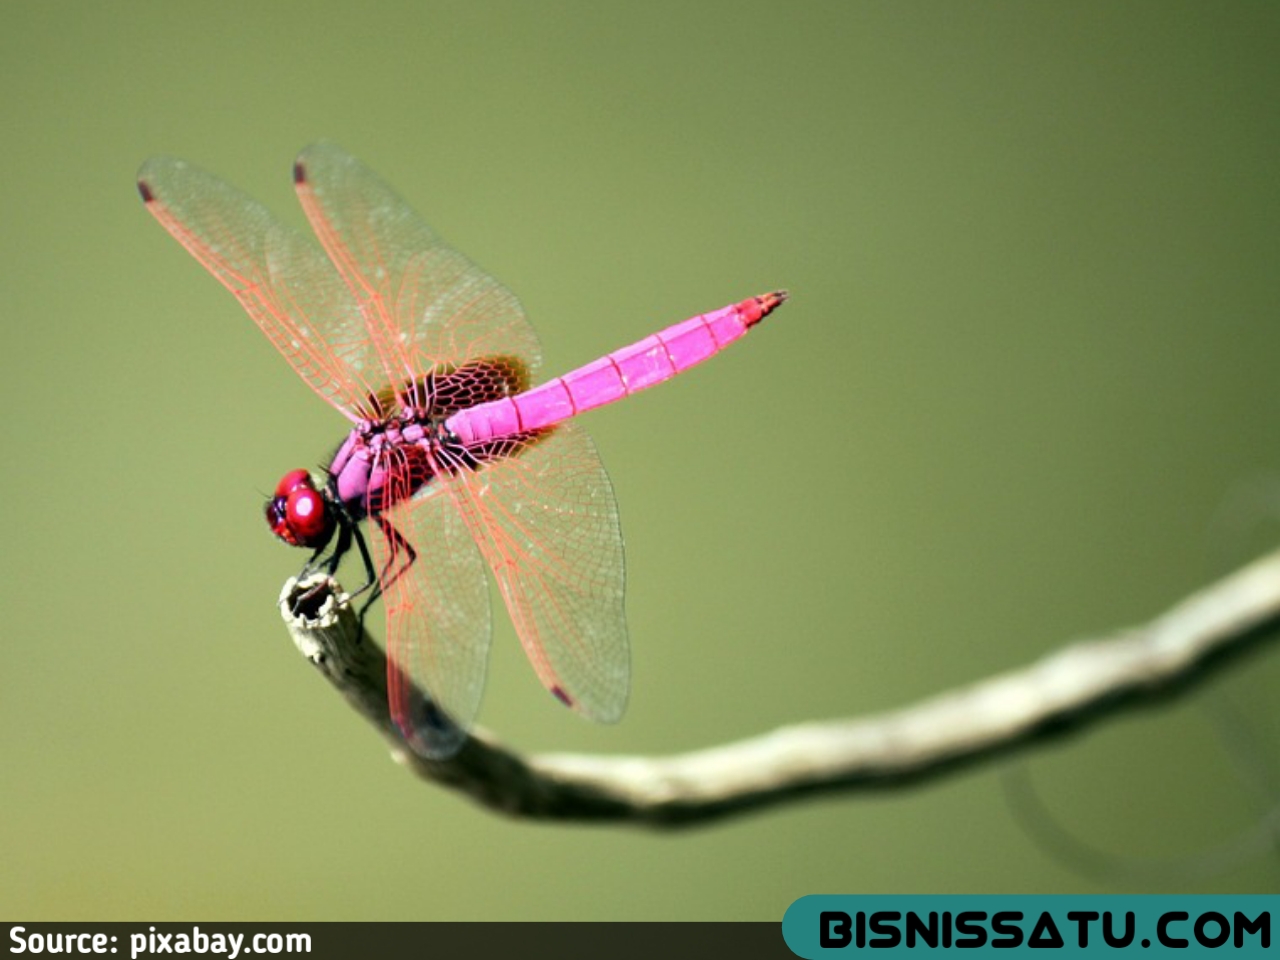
(832, 925)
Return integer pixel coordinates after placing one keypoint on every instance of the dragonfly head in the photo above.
(298, 513)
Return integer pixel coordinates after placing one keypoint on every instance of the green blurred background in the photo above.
(1030, 361)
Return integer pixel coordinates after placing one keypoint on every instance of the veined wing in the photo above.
(425, 305)
(438, 617)
(282, 279)
(546, 520)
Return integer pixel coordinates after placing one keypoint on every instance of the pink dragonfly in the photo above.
(452, 457)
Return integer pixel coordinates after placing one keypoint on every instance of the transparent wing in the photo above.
(425, 305)
(438, 618)
(546, 520)
(282, 279)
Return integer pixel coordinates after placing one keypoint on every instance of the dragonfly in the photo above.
(454, 461)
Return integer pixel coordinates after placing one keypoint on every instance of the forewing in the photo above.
(283, 279)
(438, 619)
(546, 520)
(425, 305)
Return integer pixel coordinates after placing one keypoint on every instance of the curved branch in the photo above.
(1076, 685)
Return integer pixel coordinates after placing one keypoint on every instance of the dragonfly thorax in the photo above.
(383, 462)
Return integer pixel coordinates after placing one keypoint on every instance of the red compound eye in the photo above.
(298, 514)
(293, 478)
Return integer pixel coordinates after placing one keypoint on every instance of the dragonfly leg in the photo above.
(340, 548)
(399, 546)
(371, 575)
(330, 563)
(373, 582)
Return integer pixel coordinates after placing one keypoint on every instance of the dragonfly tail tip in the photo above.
(757, 308)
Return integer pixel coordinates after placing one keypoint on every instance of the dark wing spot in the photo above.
(563, 697)
(435, 718)
(144, 189)
(299, 172)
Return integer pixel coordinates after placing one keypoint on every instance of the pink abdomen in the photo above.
(643, 364)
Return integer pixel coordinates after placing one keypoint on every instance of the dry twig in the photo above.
(1078, 684)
